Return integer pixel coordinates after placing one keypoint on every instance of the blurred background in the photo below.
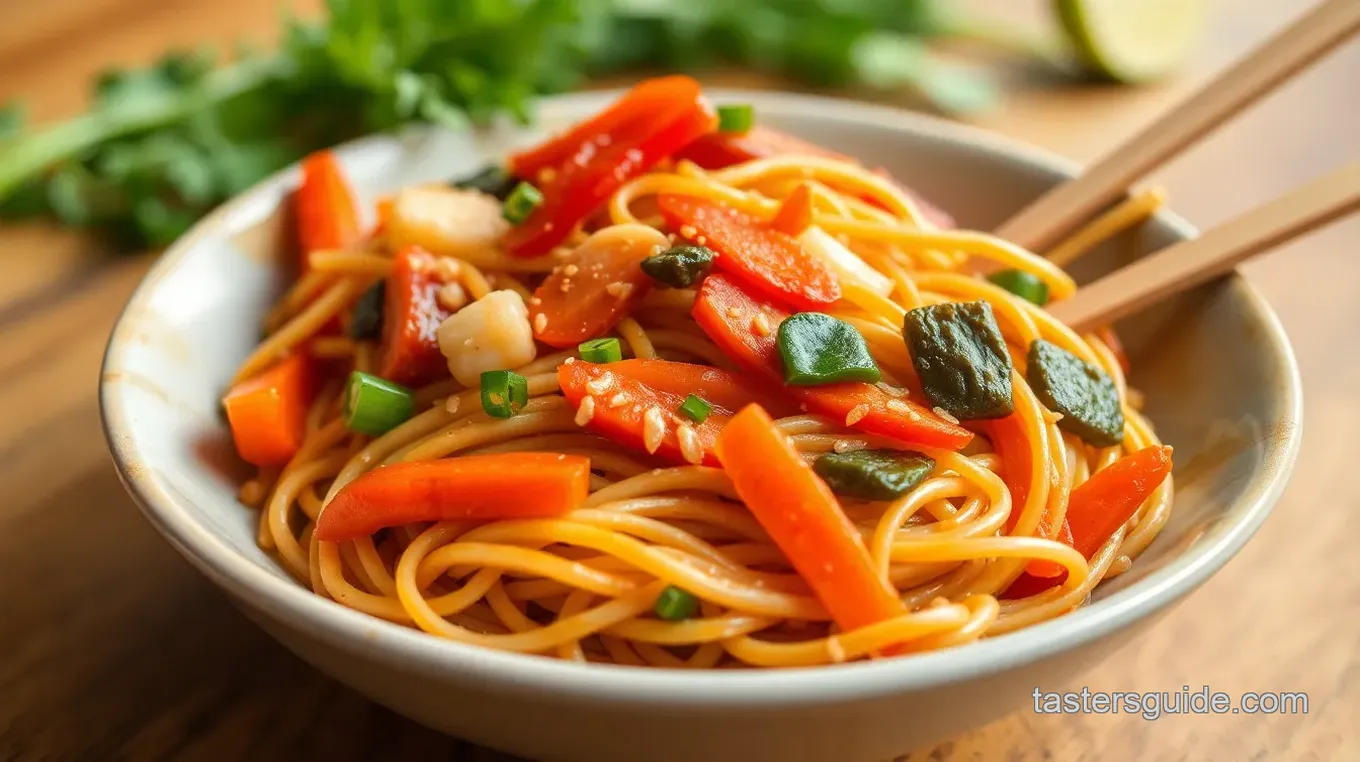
(125, 120)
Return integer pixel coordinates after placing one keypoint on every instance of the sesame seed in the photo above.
(565, 286)
(945, 414)
(619, 290)
(586, 411)
(535, 301)
(701, 240)
(689, 444)
(856, 414)
(569, 361)
(599, 385)
(895, 391)
(1052, 416)
(848, 445)
(571, 270)
(451, 405)
(540, 322)
(688, 231)
(653, 428)
(898, 406)
(760, 324)
(618, 400)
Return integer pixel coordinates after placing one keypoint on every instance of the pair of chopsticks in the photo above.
(1216, 252)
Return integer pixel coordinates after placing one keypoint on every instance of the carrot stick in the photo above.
(527, 485)
(1106, 501)
(327, 217)
(804, 519)
(1008, 437)
(1100, 506)
(268, 413)
(795, 214)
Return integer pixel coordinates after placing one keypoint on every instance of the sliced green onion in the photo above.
(1025, 285)
(601, 350)
(521, 202)
(368, 313)
(504, 393)
(374, 405)
(696, 407)
(676, 605)
(820, 349)
(737, 117)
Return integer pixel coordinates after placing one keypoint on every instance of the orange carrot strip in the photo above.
(795, 214)
(1100, 506)
(1008, 437)
(1106, 501)
(268, 413)
(327, 217)
(522, 485)
(804, 519)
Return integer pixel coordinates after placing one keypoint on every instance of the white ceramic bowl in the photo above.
(1221, 385)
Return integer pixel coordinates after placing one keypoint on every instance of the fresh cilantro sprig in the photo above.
(161, 146)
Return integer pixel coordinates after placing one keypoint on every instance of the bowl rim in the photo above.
(410, 649)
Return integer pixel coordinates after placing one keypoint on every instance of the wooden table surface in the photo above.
(111, 647)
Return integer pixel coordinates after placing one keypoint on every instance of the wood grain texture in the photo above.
(115, 649)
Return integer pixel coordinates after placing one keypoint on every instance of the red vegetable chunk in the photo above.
(578, 171)
(411, 318)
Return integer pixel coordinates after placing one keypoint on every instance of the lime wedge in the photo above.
(1131, 40)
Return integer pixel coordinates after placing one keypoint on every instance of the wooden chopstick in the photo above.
(1041, 223)
(1190, 263)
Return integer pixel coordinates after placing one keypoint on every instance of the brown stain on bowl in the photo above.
(156, 333)
(151, 387)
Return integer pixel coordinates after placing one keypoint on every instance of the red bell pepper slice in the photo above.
(519, 485)
(727, 313)
(764, 259)
(327, 217)
(411, 318)
(578, 171)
